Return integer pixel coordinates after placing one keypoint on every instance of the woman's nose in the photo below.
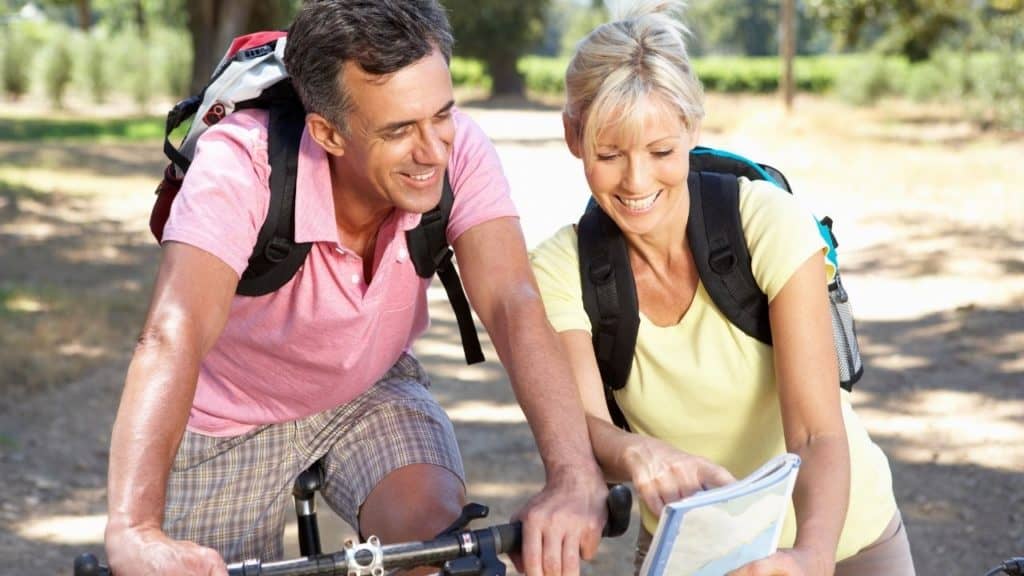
(637, 177)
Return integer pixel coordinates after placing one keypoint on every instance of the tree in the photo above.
(214, 23)
(83, 11)
(498, 32)
(913, 28)
(746, 27)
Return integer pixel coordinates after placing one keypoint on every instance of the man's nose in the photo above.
(431, 148)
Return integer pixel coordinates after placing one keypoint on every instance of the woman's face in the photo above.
(638, 173)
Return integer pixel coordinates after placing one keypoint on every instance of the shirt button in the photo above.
(355, 278)
(402, 254)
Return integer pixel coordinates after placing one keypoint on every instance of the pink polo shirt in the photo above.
(326, 336)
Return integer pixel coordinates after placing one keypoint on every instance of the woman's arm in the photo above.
(660, 473)
(807, 379)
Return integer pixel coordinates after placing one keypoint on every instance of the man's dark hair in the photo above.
(381, 36)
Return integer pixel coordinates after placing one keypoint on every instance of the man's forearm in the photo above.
(150, 422)
(543, 383)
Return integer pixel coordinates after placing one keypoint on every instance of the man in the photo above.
(228, 398)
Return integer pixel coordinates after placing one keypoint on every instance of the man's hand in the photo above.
(786, 562)
(662, 474)
(148, 551)
(563, 523)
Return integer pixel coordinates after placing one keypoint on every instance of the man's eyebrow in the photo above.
(395, 126)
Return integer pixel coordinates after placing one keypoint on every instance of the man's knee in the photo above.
(414, 502)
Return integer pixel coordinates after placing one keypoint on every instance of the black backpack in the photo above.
(715, 235)
(252, 75)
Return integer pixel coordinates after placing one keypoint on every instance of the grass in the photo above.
(67, 303)
(99, 130)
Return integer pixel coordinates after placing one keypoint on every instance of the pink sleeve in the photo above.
(478, 182)
(224, 198)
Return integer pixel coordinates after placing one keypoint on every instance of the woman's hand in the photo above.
(663, 474)
(786, 562)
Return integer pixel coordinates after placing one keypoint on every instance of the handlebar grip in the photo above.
(88, 565)
(620, 505)
(508, 537)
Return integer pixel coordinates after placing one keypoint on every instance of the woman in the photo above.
(705, 401)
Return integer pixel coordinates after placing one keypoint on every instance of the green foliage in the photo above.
(97, 77)
(932, 80)
(746, 27)
(544, 75)
(497, 32)
(173, 57)
(469, 73)
(17, 60)
(486, 27)
(58, 70)
(93, 130)
(733, 74)
(868, 79)
(580, 23)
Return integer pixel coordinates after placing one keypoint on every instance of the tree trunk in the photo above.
(140, 19)
(787, 51)
(84, 14)
(213, 24)
(507, 79)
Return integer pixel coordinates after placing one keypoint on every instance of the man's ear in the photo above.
(572, 135)
(325, 134)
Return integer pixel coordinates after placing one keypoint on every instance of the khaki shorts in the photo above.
(233, 493)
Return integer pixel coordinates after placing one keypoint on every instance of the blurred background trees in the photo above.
(953, 51)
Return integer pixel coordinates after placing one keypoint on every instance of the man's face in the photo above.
(400, 134)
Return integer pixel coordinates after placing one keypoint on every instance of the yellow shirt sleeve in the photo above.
(781, 234)
(556, 264)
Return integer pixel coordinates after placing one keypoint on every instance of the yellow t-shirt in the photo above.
(708, 388)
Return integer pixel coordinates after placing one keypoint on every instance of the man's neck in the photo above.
(356, 214)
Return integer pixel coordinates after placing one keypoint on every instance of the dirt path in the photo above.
(928, 215)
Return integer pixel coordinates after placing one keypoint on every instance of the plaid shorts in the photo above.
(233, 493)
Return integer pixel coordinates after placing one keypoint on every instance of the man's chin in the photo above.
(420, 201)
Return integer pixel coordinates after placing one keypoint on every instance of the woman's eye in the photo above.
(607, 157)
(662, 153)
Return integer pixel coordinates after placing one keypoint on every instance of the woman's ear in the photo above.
(695, 126)
(572, 134)
(326, 135)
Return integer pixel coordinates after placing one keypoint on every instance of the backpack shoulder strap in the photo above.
(430, 253)
(276, 256)
(715, 234)
(609, 297)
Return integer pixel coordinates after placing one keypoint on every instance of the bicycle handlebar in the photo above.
(371, 558)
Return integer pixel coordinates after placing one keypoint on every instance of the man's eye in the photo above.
(396, 133)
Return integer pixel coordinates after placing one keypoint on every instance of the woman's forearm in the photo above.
(821, 496)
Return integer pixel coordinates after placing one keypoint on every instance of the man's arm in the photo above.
(188, 310)
(568, 515)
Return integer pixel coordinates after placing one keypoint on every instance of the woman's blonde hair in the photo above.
(641, 53)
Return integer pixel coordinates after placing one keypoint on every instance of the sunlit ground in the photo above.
(932, 260)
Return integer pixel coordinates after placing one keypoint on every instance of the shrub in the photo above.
(171, 52)
(469, 73)
(96, 76)
(58, 70)
(867, 80)
(543, 75)
(17, 62)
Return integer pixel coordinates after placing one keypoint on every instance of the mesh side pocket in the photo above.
(844, 334)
